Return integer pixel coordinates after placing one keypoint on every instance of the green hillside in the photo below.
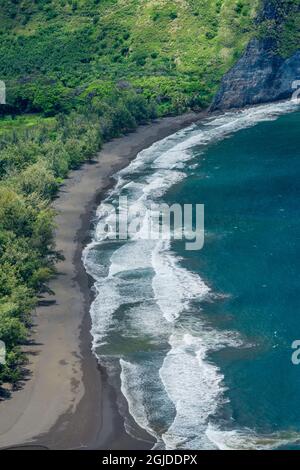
(56, 53)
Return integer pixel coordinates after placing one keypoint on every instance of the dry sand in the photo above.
(66, 402)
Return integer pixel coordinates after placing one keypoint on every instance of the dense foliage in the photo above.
(54, 52)
(281, 22)
(33, 162)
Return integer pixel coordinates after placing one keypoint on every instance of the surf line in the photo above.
(160, 221)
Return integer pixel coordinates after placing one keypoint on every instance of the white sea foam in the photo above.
(174, 286)
(133, 387)
(157, 184)
(247, 439)
(193, 384)
(147, 156)
(131, 256)
(107, 301)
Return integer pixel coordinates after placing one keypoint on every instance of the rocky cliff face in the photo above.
(262, 74)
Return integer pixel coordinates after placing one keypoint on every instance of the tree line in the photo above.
(33, 164)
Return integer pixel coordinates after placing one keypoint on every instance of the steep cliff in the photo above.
(271, 63)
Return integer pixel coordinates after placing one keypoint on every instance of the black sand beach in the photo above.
(65, 401)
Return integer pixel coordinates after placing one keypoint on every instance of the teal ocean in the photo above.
(199, 342)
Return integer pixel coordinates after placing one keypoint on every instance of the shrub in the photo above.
(32, 165)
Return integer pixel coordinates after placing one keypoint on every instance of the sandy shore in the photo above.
(66, 402)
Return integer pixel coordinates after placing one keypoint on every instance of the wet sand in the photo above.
(66, 401)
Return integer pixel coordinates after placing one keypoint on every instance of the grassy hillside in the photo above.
(55, 54)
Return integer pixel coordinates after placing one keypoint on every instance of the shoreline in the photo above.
(73, 406)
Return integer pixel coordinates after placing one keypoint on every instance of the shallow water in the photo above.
(201, 340)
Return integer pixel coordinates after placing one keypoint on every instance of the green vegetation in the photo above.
(289, 31)
(21, 122)
(79, 72)
(284, 27)
(175, 50)
(33, 163)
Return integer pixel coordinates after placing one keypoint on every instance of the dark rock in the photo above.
(260, 76)
(270, 11)
(123, 85)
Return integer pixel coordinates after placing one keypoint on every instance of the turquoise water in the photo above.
(250, 185)
(199, 342)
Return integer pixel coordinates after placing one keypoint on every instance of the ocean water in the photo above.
(199, 342)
